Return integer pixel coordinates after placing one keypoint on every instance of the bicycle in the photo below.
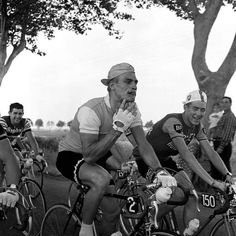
(20, 216)
(35, 198)
(135, 206)
(221, 204)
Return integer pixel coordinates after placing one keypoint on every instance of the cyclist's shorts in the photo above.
(68, 163)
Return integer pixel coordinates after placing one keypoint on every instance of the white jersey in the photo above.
(94, 117)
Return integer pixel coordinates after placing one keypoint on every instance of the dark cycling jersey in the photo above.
(161, 135)
(2, 133)
(171, 126)
(13, 131)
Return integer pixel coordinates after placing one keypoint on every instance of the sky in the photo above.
(156, 43)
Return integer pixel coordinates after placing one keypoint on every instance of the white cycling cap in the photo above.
(196, 95)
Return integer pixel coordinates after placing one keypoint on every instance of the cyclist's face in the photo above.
(195, 111)
(125, 87)
(16, 115)
(225, 103)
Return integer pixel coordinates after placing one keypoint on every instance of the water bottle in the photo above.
(192, 227)
(163, 194)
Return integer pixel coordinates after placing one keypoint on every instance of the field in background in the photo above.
(48, 140)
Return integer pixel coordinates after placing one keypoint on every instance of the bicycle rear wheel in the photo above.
(59, 220)
(35, 197)
(225, 226)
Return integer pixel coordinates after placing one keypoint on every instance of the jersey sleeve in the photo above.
(2, 133)
(88, 121)
(27, 126)
(3, 123)
(173, 127)
(201, 135)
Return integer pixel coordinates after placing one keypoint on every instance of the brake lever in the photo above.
(194, 192)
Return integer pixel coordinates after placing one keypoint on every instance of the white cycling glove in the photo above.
(165, 179)
(9, 198)
(39, 158)
(122, 120)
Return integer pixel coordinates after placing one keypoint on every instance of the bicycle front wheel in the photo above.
(225, 226)
(36, 173)
(29, 189)
(59, 220)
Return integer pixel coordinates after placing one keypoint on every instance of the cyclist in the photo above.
(95, 129)
(172, 135)
(17, 127)
(8, 157)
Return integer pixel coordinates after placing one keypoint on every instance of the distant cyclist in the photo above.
(17, 127)
(12, 171)
(95, 129)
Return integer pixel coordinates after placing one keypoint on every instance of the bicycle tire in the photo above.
(163, 233)
(36, 173)
(27, 188)
(72, 194)
(219, 228)
(59, 218)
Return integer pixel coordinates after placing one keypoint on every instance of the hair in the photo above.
(16, 105)
(113, 80)
(230, 99)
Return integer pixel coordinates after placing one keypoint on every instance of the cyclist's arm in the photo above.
(9, 158)
(145, 149)
(32, 141)
(214, 157)
(190, 159)
(174, 128)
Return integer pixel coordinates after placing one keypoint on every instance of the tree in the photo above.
(39, 123)
(69, 123)
(203, 13)
(60, 124)
(22, 21)
(50, 123)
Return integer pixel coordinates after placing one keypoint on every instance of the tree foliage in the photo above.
(22, 21)
(39, 123)
(60, 124)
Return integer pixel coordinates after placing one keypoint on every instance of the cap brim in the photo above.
(105, 81)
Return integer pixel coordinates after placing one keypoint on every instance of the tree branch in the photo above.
(228, 66)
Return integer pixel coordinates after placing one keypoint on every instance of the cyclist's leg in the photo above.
(2, 173)
(96, 177)
(110, 213)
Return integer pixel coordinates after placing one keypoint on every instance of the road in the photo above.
(55, 189)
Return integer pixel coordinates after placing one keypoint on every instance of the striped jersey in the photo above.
(93, 117)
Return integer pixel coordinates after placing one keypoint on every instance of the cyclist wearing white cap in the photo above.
(96, 127)
(172, 134)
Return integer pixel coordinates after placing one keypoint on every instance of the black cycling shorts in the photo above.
(68, 163)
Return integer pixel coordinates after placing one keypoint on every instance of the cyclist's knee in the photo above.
(101, 180)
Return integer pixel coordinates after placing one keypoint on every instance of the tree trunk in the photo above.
(214, 84)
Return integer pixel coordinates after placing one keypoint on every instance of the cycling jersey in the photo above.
(171, 126)
(94, 117)
(2, 133)
(14, 130)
